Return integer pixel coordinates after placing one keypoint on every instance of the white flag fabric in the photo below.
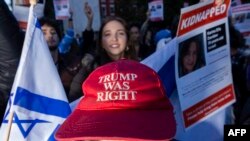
(38, 101)
(162, 61)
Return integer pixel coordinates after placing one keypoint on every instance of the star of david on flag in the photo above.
(38, 102)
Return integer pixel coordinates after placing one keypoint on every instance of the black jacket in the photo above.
(11, 42)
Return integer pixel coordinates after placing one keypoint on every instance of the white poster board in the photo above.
(203, 66)
(79, 17)
(21, 11)
(156, 10)
(62, 9)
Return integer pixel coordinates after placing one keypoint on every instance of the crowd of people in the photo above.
(77, 56)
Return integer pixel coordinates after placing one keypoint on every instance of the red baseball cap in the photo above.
(124, 100)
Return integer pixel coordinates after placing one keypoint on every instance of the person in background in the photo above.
(11, 43)
(52, 36)
(134, 38)
(146, 38)
(60, 49)
(239, 71)
(245, 114)
(65, 52)
(88, 45)
(112, 46)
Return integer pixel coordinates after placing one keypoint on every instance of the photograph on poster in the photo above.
(191, 55)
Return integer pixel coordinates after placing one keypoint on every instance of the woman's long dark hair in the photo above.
(102, 56)
(184, 50)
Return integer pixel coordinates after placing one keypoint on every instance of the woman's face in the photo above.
(134, 34)
(114, 39)
(50, 36)
(190, 58)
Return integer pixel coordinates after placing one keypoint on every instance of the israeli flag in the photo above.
(38, 102)
(163, 62)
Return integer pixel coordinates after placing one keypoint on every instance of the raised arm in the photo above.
(89, 14)
(88, 33)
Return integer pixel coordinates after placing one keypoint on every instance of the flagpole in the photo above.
(9, 126)
(33, 2)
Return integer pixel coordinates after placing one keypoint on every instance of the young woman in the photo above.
(112, 45)
(113, 41)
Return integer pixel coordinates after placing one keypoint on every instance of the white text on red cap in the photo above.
(117, 87)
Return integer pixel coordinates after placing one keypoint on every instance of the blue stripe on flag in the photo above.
(38, 24)
(167, 75)
(41, 104)
(52, 137)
